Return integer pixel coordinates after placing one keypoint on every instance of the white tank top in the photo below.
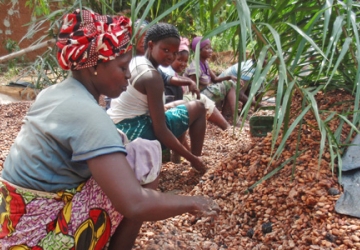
(132, 103)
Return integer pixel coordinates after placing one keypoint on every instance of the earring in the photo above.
(95, 73)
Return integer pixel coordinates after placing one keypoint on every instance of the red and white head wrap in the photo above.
(87, 37)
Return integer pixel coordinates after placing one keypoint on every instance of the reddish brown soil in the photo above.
(280, 213)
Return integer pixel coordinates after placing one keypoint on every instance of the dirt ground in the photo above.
(279, 213)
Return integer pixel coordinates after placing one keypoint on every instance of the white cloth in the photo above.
(168, 70)
(208, 103)
(144, 157)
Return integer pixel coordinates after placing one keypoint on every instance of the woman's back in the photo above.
(54, 131)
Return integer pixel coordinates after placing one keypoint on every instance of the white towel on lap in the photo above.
(144, 157)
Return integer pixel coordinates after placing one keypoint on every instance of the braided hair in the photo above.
(159, 32)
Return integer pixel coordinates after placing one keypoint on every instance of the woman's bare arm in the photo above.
(115, 177)
(193, 77)
(216, 79)
(153, 86)
(186, 81)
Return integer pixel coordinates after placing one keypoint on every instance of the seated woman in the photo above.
(247, 72)
(215, 88)
(69, 182)
(140, 36)
(140, 112)
(188, 86)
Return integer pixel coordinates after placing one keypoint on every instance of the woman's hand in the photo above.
(233, 78)
(242, 83)
(138, 203)
(206, 207)
(198, 164)
(194, 90)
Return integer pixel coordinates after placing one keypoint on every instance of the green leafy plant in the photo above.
(12, 46)
(312, 48)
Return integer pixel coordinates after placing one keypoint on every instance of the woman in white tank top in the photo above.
(140, 112)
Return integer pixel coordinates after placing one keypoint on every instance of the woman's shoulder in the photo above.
(190, 69)
(141, 67)
(60, 100)
(140, 61)
(167, 70)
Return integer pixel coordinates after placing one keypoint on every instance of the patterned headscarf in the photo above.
(196, 40)
(184, 44)
(87, 37)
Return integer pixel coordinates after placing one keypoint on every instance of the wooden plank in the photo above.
(27, 50)
(20, 93)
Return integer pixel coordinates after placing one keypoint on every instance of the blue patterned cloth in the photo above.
(247, 70)
(177, 120)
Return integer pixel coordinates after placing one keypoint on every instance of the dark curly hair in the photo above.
(160, 31)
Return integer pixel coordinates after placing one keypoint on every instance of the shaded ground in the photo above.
(279, 213)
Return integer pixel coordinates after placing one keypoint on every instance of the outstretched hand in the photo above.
(206, 207)
(199, 165)
(234, 79)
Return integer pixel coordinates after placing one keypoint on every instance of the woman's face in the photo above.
(164, 52)
(113, 76)
(206, 51)
(180, 62)
(140, 49)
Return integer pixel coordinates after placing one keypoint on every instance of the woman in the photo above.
(215, 88)
(178, 66)
(247, 72)
(139, 47)
(139, 112)
(140, 36)
(67, 182)
(175, 84)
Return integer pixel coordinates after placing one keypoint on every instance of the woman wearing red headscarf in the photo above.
(70, 181)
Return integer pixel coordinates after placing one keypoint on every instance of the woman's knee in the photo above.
(195, 106)
(196, 110)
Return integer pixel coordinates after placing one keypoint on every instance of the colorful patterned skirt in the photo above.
(217, 91)
(80, 218)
